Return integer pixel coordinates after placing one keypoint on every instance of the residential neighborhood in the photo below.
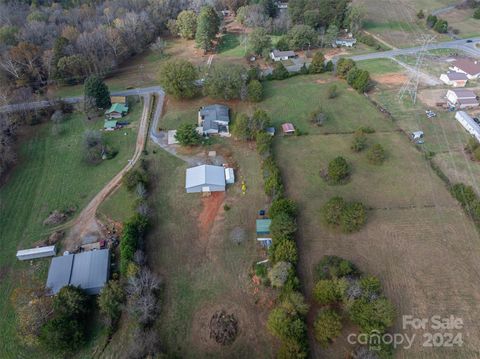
(240, 179)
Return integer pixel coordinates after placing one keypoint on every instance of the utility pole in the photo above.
(411, 86)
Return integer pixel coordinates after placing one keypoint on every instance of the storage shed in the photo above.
(288, 128)
(205, 178)
(263, 231)
(229, 175)
(34, 253)
(87, 270)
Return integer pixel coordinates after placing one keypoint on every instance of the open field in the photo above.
(203, 268)
(50, 175)
(444, 136)
(380, 66)
(396, 21)
(417, 239)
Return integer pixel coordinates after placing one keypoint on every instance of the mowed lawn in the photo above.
(204, 270)
(417, 239)
(50, 175)
(293, 100)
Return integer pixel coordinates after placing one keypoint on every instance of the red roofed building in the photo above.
(469, 67)
(288, 128)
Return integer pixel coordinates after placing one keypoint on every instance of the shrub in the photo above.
(187, 135)
(178, 78)
(110, 302)
(349, 216)
(318, 117)
(280, 72)
(283, 227)
(441, 26)
(264, 142)
(472, 145)
(329, 66)
(353, 217)
(318, 63)
(376, 154)
(272, 180)
(431, 21)
(338, 170)
(285, 326)
(65, 332)
(329, 291)
(334, 267)
(282, 205)
(359, 142)
(279, 273)
(292, 349)
(476, 154)
(284, 250)
(476, 14)
(466, 196)
(372, 315)
(421, 14)
(358, 79)
(331, 211)
(370, 285)
(294, 304)
(344, 66)
(255, 91)
(327, 326)
(332, 91)
(133, 231)
(132, 178)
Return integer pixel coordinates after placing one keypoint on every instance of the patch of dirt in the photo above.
(238, 235)
(324, 81)
(202, 323)
(56, 217)
(211, 206)
(223, 327)
(390, 78)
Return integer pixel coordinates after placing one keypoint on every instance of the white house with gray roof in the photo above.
(277, 55)
(205, 178)
(214, 119)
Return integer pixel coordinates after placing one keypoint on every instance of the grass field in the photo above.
(50, 175)
(417, 239)
(293, 101)
(380, 66)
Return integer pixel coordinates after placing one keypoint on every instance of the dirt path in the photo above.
(379, 39)
(86, 223)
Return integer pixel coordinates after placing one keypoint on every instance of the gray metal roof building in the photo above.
(214, 118)
(87, 270)
(205, 178)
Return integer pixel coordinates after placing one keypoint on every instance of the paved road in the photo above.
(73, 100)
(460, 45)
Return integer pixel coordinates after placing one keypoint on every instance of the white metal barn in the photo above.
(205, 178)
(34, 253)
(469, 124)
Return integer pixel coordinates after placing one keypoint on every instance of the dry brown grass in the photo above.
(417, 239)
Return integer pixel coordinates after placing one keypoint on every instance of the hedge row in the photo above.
(287, 320)
(133, 232)
(469, 200)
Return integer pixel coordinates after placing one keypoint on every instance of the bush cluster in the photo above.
(287, 320)
(439, 25)
(357, 78)
(343, 291)
(348, 216)
(469, 200)
(338, 170)
(133, 232)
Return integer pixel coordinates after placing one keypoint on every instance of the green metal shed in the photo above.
(263, 226)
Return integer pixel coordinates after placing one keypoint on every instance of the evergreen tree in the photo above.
(96, 89)
(208, 24)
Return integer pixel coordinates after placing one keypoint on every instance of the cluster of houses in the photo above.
(117, 110)
(461, 70)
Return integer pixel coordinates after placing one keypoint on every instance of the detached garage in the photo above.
(205, 178)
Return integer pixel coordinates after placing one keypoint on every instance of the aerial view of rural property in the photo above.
(292, 179)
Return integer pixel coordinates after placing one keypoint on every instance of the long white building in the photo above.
(469, 124)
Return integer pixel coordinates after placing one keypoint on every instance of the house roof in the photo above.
(88, 270)
(471, 67)
(215, 113)
(288, 127)
(110, 124)
(117, 107)
(278, 53)
(468, 101)
(263, 226)
(464, 93)
(456, 76)
(205, 175)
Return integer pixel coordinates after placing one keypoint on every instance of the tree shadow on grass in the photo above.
(228, 42)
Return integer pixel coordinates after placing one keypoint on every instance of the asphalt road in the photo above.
(460, 45)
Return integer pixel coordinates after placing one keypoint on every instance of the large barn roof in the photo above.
(205, 175)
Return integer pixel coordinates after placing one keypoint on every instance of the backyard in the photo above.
(50, 175)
